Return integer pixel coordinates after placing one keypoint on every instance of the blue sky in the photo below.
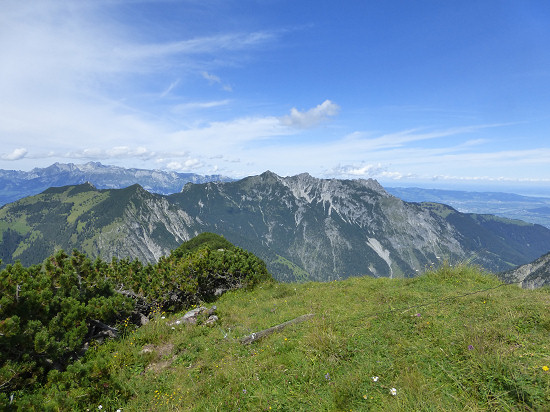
(426, 93)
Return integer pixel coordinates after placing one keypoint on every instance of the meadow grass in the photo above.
(454, 339)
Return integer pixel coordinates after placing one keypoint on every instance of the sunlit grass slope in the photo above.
(453, 339)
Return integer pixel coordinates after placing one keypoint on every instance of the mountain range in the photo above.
(18, 184)
(305, 228)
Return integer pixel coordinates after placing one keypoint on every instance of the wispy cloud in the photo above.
(78, 78)
(374, 171)
(198, 45)
(232, 135)
(184, 107)
(171, 87)
(368, 141)
(213, 79)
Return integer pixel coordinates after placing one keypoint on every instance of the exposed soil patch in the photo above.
(163, 358)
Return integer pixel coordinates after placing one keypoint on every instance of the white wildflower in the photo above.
(375, 378)
(393, 391)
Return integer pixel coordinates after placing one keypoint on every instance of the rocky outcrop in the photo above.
(198, 315)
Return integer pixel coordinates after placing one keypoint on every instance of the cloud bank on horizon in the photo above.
(405, 93)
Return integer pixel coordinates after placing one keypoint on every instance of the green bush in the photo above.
(45, 313)
(49, 313)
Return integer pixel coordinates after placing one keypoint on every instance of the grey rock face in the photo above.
(531, 275)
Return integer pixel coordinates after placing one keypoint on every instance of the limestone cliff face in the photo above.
(124, 223)
(399, 238)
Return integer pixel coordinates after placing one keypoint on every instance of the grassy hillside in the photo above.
(453, 339)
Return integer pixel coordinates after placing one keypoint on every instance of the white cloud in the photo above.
(374, 171)
(491, 179)
(125, 151)
(16, 154)
(311, 117)
(95, 153)
(186, 165)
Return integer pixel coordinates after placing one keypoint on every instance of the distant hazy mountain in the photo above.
(303, 227)
(531, 275)
(528, 208)
(18, 184)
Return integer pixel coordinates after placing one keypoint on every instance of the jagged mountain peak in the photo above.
(305, 187)
(312, 188)
(268, 176)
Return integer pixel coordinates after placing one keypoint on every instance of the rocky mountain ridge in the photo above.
(303, 227)
(335, 226)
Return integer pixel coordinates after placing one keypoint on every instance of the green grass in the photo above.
(453, 339)
(300, 274)
(438, 208)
